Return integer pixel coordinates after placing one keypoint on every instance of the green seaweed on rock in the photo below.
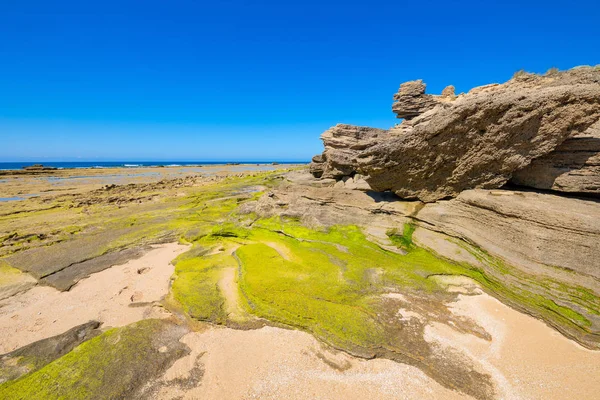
(115, 364)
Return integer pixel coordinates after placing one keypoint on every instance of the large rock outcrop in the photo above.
(537, 251)
(446, 144)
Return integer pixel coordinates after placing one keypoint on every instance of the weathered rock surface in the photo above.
(34, 356)
(69, 276)
(411, 100)
(537, 128)
(480, 139)
(573, 167)
(342, 144)
(546, 243)
(525, 228)
(534, 245)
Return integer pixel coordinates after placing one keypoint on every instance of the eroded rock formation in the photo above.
(342, 144)
(528, 246)
(447, 144)
(573, 167)
(411, 100)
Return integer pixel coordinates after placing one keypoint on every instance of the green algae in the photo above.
(8, 274)
(308, 293)
(331, 282)
(331, 268)
(195, 286)
(113, 365)
(404, 240)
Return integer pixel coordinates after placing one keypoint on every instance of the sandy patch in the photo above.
(117, 296)
(229, 289)
(273, 363)
(526, 358)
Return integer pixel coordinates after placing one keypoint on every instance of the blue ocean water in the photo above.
(126, 164)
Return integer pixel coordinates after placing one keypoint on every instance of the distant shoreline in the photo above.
(18, 166)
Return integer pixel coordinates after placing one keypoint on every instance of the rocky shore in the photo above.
(539, 131)
(454, 255)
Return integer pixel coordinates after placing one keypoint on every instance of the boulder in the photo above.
(448, 92)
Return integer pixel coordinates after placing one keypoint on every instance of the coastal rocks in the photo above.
(573, 167)
(342, 144)
(34, 356)
(65, 278)
(480, 139)
(39, 167)
(535, 251)
(536, 128)
(411, 100)
(527, 229)
(544, 245)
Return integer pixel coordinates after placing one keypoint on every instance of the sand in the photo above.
(525, 358)
(274, 363)
(106, 296)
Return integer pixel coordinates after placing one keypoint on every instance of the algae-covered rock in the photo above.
(34, 356)
(13, 281)
(114, 365)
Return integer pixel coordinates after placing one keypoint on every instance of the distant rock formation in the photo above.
(39, 167)
(532, 127)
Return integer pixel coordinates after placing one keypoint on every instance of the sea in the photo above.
(130, 164)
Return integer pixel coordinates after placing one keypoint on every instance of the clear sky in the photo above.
(252, 80)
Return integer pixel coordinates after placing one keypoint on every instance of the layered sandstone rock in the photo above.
(573, 167)
(535, 128)
(411, 100)
(480, 139)
(527, 229)
(342, 144)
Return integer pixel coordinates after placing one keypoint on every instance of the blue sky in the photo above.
(254, 80)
